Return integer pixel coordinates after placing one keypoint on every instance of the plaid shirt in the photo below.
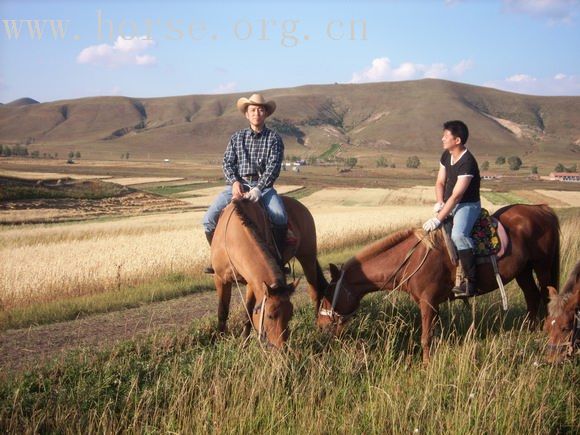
(251, 153)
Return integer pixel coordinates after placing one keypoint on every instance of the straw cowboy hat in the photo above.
(256, 100)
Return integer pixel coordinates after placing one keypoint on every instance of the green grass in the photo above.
(483, 379)
(168, 287)
(330, 152)
(499, 198)
(172, 191)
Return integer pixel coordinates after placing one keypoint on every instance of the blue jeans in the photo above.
(464, 216)
(272, 202)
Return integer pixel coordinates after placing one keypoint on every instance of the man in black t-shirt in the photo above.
(457, 193)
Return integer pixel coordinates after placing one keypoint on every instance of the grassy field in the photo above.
(487, 373)
(485, 377)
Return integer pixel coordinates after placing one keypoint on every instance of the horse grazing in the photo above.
(243, 251)
(563, 321)
(420, 265)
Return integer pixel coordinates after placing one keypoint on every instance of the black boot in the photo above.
(280, 232)
(468, 287)
(209, 237)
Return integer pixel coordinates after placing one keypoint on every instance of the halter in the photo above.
(570, 345)
(262, 309)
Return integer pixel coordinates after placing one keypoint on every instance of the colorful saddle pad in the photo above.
(485, 235)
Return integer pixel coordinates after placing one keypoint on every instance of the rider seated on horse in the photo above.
(251, 165)
(457, 194)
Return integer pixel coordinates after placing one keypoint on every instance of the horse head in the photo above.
(337, 304)
(273, 313)
(562, 323)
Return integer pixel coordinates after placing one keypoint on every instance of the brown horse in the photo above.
(419, 264)
(563, 321)
(243, 251)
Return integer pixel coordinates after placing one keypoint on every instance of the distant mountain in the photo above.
(21, 102)
(364, 119)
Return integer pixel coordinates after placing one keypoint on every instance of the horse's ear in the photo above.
(553, 292)
(334, 272)
(295, 283)
(267, 289)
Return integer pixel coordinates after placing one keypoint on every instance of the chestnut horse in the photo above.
(243, 251)
(563, 321)
(419, 264)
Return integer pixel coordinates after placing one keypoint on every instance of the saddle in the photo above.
(489, 236)
(491, 243)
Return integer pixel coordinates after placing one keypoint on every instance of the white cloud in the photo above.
(556, 11)
(226, 88)
(123, 52)
(381, 69)
(521, 78)
(560, 84)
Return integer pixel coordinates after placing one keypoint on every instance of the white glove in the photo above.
(438, 207)
(253, 195)
(431, 225)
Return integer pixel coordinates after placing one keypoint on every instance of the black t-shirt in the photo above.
(466, 166)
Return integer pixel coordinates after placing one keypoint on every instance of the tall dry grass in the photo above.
(485, 377)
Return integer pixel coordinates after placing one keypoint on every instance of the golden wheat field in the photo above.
(46, 262)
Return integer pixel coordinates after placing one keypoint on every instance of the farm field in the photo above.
(487, 373)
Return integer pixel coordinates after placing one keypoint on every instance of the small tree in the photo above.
(71, 154)
(78, 154)
(485, 166)
(500, 160)
(351, 162)
(514, 162)
(382, 162)
(534, 169)
(559, 168)
(413, 162)
(127, 156)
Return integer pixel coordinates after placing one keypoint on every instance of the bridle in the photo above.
(568, 346)
(337, 318)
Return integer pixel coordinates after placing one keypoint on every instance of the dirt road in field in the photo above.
(25, 348)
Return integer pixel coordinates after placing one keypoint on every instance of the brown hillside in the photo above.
(392, 117)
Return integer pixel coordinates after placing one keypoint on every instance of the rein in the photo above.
(342, 318)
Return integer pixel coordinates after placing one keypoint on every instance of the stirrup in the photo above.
(461, 291)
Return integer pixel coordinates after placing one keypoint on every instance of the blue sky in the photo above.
(155, 49)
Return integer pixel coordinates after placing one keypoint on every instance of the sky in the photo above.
(54, 50)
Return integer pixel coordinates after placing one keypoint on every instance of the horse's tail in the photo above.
(555, 223)
(321, 282)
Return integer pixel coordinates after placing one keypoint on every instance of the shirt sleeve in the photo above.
(467, 168)
(230, 163)
(274, 163)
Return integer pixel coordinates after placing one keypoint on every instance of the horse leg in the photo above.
(224, 291)
(314, 278)
(545, 279)
(428, 317)
(250, 304)
(532, 294)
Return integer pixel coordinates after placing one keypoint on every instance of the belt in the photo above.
(250, 178)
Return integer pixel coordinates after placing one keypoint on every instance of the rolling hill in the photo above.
(364, 119)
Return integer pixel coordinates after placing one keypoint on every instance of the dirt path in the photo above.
(25, 348)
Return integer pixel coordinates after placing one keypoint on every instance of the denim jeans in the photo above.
(464, 216)
(272, 202)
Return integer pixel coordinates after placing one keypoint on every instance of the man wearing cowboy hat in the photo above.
(251, 165)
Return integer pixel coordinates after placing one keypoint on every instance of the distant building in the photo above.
(489, 176)
(565, 176)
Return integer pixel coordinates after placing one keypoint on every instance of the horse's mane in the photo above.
(557, 303)
(379, 246)
(239, 209)
(572, 279)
